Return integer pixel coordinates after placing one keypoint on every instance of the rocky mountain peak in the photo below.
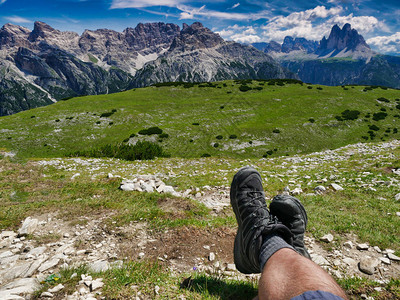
(195, 36)
(343, 39)
(13, 35)
(42, 30)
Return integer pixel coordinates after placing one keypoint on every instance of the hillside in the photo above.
(241, 119)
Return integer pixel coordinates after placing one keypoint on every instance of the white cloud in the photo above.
(241, 34)
(191, 12)
(389, 43)
(2, 1)
(144, 3)
(17, 19)
(315, 23)
(234, 6)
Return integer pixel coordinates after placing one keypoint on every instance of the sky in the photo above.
(245, 21)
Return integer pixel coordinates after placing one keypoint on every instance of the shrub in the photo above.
(383, 109)
(233, 136)
(151, 131)
(98, 122)
(69, 118)
(140, 151)
(379, 116)
(383, 99)
(33, 117)
(191, 141)
(268, 153)
(365, 137)
(276, 131)
(250, 142)
(244, 88)
(373, 127)
(221, 107)
(395, 130)
(163, 135)
(309, 87)
(205, 155)
(110, 123)
(350, 114)
(398, 106)
(319, 88)
(196, 124)
(106, 114)
(216, 145)
(132, 135)
(311, 120)
(125, 140)
(219, 137)
(57, 120)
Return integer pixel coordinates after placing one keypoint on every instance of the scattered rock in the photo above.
(297, 191)
(393, 257)
(368, 265)
(385, 260)
(56, 289)
(327, 238)
(320, 260)
(362, 247)
(46, 295)
(336, 187)
(28, 226)
(96, 284)
(348, 244)
(397, 197)
(211, 256)
(320, 189)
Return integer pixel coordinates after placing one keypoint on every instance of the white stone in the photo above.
(336, 187)
(385, 260)
(56, 289)
(368, 265)
(397, 197)
(297, 191)
(211, 256)
(141, 255)
(19, 286)
(327, 238)
(362, 247)
(348, 244)
(393, 257)
(49, 264)
(97, 284)
(127, 187)
(230, 267)
(28, 226)
(46, 295)
(320, 260)
(320, 189)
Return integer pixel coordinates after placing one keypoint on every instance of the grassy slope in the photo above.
(251, 115)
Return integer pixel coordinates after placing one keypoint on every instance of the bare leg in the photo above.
(288, 274)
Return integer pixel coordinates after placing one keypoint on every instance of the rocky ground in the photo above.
(46, 243)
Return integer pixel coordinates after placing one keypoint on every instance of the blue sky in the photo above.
(245, 21)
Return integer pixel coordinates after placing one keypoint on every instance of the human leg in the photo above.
(288, 274)
(264, 243)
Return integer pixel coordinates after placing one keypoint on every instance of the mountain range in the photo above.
(45, 65)
(342, 58)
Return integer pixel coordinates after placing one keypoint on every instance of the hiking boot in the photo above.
(291, 213)
(254, 220)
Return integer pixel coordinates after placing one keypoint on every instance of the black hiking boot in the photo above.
(291, 213)
(253, 218)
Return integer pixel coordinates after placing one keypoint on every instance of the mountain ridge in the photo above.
(66, 64)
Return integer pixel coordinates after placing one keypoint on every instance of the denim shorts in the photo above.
(317, 295)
